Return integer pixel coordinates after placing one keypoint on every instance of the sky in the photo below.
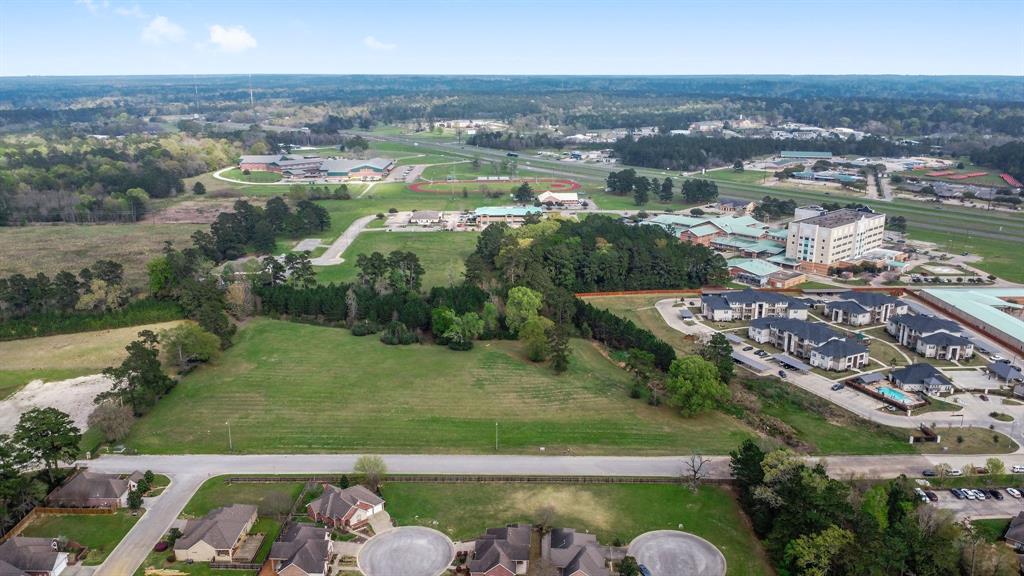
(119, 37)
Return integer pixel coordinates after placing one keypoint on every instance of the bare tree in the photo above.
(694, 470)
(372, 468)
(545, 516)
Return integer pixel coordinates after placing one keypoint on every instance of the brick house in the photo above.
(93, 490)
(346, 508)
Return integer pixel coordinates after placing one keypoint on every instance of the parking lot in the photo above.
(988, 508)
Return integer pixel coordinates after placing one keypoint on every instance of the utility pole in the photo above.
(495, 436)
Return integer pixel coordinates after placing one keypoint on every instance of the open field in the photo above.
(100, 533)
(64, 356)
(255, 177)
(49, 249)
(271, 498)
(745, 177)
(991, 177)
(610, 511)
(1004, 258)
(442, 254)
(298, 388)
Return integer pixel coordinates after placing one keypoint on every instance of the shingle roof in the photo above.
(919, 374)
(501, 546)
(86, 485)
(1005, 370)
(221, 528)
(304, 546)
(715, 302)
(944, 339)
(870, 299)
(847, 306)
(811, 331)
(1015, 531)
(28, 555)
(923, 323)
(337, 502)
(841, 348)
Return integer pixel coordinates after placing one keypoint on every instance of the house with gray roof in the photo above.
(840, 355)
(1015, 532)
(506, 552)
(930, 336)
(1005, 371)
(863, 308)
(217, 536)
(750, 305)
(21, 556)
(921, 378)
(345, 508)
(92, 490)
(302, 550)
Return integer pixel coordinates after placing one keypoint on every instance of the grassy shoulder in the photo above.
(99, 532)
(442, 254)
(300, 388)
(612, 512)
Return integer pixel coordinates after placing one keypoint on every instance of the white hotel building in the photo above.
(830, 237)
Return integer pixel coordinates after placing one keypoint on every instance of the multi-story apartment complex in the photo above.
(930, 336)
(822, 346)
(838, 236)
(750, 305)
(862, 308)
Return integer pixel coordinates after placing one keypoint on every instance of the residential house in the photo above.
(93, 490)
(506, 552)
(930, 336)
(217, 536)
(840, 355)
(346, 508)
(921, 378)
(750, 305)
(302, 550)
(21, 556)
(1015, 532)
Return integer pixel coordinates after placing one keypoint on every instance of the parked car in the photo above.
(748, 348)
(1013, 492)
(920, 494)
(954, 472)
(929, 473)
(957, 493)
(980, 495)
(969, 494)
(837, 386)
(931, 495)
(782, 373)
(983, 397)
(996, 494)
(1017, 469)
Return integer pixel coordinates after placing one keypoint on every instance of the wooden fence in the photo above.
(482, 478)
(45, 511)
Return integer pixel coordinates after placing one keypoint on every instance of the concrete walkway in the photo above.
(333, 254)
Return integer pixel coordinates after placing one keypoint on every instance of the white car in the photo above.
(920, 493)
(980, 495)
(969, 494)
(954, 472)
(1013, 492)
(1017, 469)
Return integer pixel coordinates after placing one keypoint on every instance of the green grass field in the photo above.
(100, 533)
(442, 254)
(1004, 258)
(272, 499)
(640, 309)
(612, 511)
(254, 177)
(298, 388)
(745, 177)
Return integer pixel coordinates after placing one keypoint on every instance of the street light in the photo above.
(495, 436)
(231, 446)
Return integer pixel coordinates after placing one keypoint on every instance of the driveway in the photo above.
(333, 254)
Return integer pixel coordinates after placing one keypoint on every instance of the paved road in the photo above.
(187, 473)
(333, 254)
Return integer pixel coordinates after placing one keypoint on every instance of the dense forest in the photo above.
(1008, 157)
(681, 152)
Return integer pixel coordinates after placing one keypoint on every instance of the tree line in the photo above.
(812, 524)
(252, 228)
(514, 140)
(1008, 157)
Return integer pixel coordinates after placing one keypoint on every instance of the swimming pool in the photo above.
(894, 394)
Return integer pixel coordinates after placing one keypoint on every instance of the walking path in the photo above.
(333, 254)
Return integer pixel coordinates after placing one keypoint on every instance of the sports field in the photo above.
(442, 254)
(612, 512)
(289, 387)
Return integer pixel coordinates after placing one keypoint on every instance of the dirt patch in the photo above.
(74, 396)
(194, 211)
(583, 504)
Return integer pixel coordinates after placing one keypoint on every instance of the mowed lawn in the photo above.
(442, 254)
(49, 249)
(100, 533)
(609, 511)
(640, 309)
(272, 498)
(289, 387)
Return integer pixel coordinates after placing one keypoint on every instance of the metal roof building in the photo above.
(991, 311)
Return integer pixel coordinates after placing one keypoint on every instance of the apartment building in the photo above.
(750, 305)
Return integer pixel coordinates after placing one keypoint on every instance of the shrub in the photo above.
(161, 546)
(380, 215)
(392, 210)
(396, 333)
(365, 328)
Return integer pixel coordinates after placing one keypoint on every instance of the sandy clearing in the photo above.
(74, 396)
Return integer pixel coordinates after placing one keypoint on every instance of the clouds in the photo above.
(231, 38)
(134, 12)
(374, 44)
(161, 30)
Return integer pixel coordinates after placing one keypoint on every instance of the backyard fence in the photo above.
(45, 511)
